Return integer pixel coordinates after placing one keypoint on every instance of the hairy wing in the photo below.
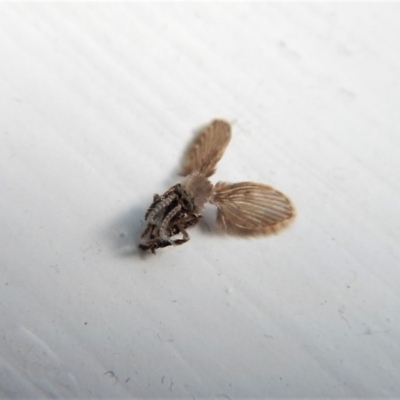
(206, 149)
(252, 209)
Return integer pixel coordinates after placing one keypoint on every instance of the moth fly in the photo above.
(245, 208)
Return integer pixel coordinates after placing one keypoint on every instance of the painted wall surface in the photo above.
(98, 102)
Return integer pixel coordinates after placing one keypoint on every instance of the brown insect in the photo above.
(244, 208)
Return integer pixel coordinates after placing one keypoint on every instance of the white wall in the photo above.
(97, 103)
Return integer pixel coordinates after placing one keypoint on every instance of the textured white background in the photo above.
(97, 103)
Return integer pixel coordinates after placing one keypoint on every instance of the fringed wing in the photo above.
(253, 209)
(206, 149)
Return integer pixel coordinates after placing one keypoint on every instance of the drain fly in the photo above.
(245, 208)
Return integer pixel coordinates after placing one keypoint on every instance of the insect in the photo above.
(245, 208)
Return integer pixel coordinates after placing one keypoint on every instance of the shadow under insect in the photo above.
(123, 231)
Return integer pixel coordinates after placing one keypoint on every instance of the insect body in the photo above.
(244, 208)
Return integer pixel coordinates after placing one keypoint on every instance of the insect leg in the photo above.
(185, 235)
(158, 206)
(164, 227)
(149, 229)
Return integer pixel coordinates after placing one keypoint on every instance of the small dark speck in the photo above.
(127, 380)
(268, 336)
(110, 374)
(85, 323)
(122, 235)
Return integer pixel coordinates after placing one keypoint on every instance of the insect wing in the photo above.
(252, 209)
(206, 149)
